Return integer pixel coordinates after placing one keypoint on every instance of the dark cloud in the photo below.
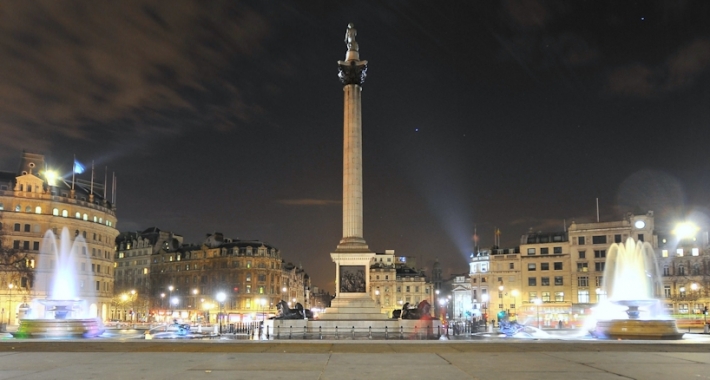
(679, 71)
(308, 202)
(70, 66)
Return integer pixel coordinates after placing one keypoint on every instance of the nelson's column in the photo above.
(352, 256)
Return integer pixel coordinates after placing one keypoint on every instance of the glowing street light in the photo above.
(221, 297)
(538, 302)
(685, 230)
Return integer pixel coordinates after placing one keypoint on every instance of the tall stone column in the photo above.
(352, 256)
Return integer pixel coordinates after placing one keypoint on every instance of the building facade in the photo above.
(393, 283)
(36, 199)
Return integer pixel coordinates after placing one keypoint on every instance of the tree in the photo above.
(16, 267)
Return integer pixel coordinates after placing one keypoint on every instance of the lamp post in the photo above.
(124, 298)
(9, 305)
(515, 302)
(173, 304)
(484, 299)
(194, 303)
(170, 299)
(221, 296)
(538, 302)
(162, 305)
(501, 295)
(436, 301)
(133, 305)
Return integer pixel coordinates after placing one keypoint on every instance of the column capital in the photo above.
(352, 72)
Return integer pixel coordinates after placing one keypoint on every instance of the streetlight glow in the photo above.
(685, 230)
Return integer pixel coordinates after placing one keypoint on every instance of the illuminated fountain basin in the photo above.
(63, 314)
(631, 277)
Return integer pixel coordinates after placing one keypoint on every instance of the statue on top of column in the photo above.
(350, 34)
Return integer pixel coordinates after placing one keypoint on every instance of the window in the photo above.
(17, 227)
(18, 208)
(532, 296)
(532, 281)
(664, 253)
(666, 271)
(26, 245)
(545, 281)
(695, 252)
(27, 228)
(248, 288)
(557, 250)
(679, 252)
(667, 291)
(640, 237)
(583, 296)
(545, 296)
(558, 265)
(599, 239)
(531, 251)
(407, 289)
(559, 280)
(262, 277)
(55, 211)
(38, 210)
(35, 246)
(531, 267)
(248, 279)
(16, 244)
(261, 290)
(544, 251)
(617, 238)
(681, 270)
(600, 254)
(599, 281)
(583, 281)
(599, 267)
(559, 296)
(511, 266)
(544, 266)
(582, 267)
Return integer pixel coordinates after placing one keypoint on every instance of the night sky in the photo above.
(227, 116)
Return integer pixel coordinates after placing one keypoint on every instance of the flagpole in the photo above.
(105, 181)
(91, 191)
(73, 172)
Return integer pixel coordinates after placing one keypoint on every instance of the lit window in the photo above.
(695, 252)
(679, 252)
(55, 212)
(664, 253)
(77, 215)
(38, 210)
(583, 296)
(86, 217)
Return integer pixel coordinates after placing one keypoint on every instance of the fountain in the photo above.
(62, 314)
(630, 279)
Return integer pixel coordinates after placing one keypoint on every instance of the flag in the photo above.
(78, 167)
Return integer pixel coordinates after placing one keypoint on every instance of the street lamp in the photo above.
(133, 304)
(9, 304)
(221, 296)
(124, 298)
(173, 302)
(263, 304)
(685, 230)
(538, 302)
(170, 299)
(515, 300)
(484, 299)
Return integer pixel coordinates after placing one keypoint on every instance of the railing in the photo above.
(353, 333)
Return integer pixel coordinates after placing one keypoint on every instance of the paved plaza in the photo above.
(342, 360)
